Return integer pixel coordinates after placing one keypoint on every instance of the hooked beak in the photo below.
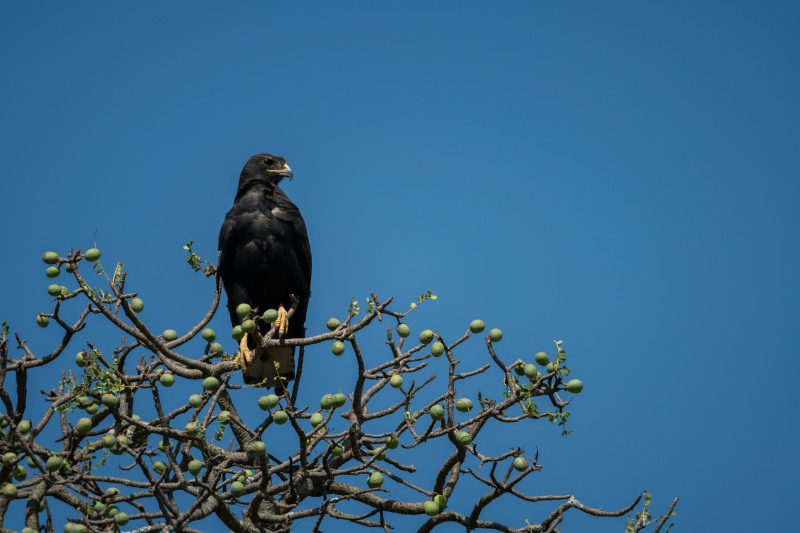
(286, 172)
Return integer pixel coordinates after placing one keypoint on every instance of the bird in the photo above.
(264, 261)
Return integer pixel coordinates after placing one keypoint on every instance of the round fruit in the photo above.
(9, 490)
(237, 489)
(280, 417)
(574, 386)
(121, 518)
(243, 310)
(52, 272)
(51, 258)
(31, 462)
(333, 323)
(441, 501)
(316, 419)
(541, 358)
(91, 409)
(531, 372)
(326, 402)
(195, 467)
(84, 426)
(9, 458)
(54, 289)
(80, 360)
(123, 439)
(520, 463)
(519, 369)
(210, 383)
(430, 508)
(208, 334)
(237, 333)
(495, 335)
(137, 304)
(464, 405)
(562, 355)
(68, 267)
(42, 321)
(375, 480)
(339, 399)
(109, 400)
(476, 326)
(337, 348)
(159, 467)
(403, 330)
(112, 491)
(224, 417)
(437, 412)
(192, 429)
(396, 381)
(54, 462)
(464, 438)
(552, 366)
(268, 402)
(195, 400)
(392, 442)
(108, 441)
(24, 426)
(270, 316)
(258, 447)
(170, 335)
(162, 446)
(112, 511)
(426, 336)
(336, 451)
(92, 255)
(215, 349)
(166, 379)
(437, 349)
(19, 473)
(248, 326)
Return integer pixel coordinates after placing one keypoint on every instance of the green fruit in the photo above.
(337, 348)
(519, 369)
(42, 321)
(92, 255)
(531, 372)
(112, 491)
(520, 463)
(396, 381)
(137, 304)
(237, 333)
(123, 439)
(464, 438)
(280, 417)
(495, 335)
(437, 412)
(192, 429)
(99, 507)
(54, 462)
(8, 458)
(237, 489)
(71, 527)
(195, 467)
(170, 335)
(375, 480)
(52, 272)
(54, 289)
(243, 310)
(326, 402)
(269, 316)
(464, 405)
(541, 358)
(68, 267)
(333, 323)
(248, 326)
(426, 336)
(24, 426)
(403, 330)
(80, 360)
(215, 349)
(552, 367)
(562, 356)
(195, 400)
(51, 258)
(91, 409)
(210, 383)
(224, 417)
(437, 349)
(84, 426)
(161, 445)
(574, 386)
(476, 326)
(257, 446)
(19, 473)
(316, 419)
(441, 501)
(339, 399)
(392, 442)
(166, 379)
(112, 511)
(159, 467)
(109, 400)
(336, 451)
(9, 490)
(208, 334)
(430, 508)
(31, 462)
(121, 519)
(27, 530)
(108, 441)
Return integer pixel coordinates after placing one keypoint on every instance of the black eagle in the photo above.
(264, 258)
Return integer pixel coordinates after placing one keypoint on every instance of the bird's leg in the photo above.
(244, 354)
(282, 323)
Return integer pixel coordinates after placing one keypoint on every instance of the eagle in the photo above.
(265, 261)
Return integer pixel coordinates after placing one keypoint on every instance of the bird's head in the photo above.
(265, 168)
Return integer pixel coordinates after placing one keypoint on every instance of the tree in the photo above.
(286, 460)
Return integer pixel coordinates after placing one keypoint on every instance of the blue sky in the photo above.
(623, 176)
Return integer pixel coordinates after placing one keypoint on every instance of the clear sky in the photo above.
(620, 175)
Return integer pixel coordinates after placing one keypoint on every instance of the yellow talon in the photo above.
(282, 322)
(244, 354)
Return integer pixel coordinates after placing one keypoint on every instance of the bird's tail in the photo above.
(275, 365)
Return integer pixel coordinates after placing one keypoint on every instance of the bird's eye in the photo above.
(268, 162)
